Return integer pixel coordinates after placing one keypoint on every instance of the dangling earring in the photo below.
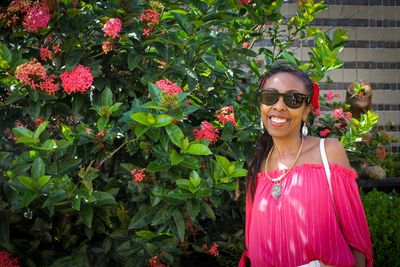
(261, 124)
(304, 129)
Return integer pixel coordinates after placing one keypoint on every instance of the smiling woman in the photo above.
(300, 209)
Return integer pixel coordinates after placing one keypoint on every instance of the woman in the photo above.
(293, 216)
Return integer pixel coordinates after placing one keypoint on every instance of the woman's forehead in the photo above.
(284, 81)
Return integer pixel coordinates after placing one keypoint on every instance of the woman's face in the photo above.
(278, 118)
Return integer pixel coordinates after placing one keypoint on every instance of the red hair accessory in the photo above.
(315, 96)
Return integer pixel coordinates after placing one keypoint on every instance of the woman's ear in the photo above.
(307, 111)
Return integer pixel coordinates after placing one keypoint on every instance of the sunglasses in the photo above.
(292, 99)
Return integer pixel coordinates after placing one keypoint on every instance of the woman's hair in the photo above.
(265, 142)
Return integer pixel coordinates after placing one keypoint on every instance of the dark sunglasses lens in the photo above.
(293, 100)
(269, 98)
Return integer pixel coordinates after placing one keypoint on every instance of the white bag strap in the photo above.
(328, 175)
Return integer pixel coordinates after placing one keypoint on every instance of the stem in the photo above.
(112, 154)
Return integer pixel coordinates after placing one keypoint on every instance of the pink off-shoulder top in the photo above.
(301, 225)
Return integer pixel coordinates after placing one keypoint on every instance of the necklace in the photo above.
(276, 191)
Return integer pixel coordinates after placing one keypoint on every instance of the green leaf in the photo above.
(183, 183)
(149, 235)
(26, 181)
(140, 129)
(106, 97)
(163, 215)
(158, 166)
(177, 193)
(140, 117)
(102, 123)
(198, 149)
(183, 22)
(162, 120)
(115, 107)
(180, 224)
(175, 157)
(40, 129)
(142, 218)
(38, 168)
(223, 163)
(67, 132)
(133, 60)
(155, 92)
(175, 134)
(154, 134)
(77, 102)
(22, 132)
(72, 59)
(195, 178)
(5, 53)
(239, 173)
(86, 214)
(43, 180)
(104, 199)
(193, 208)
(207, 210)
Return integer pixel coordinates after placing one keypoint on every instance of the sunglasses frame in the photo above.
(286, 97)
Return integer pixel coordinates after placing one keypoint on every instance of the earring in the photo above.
(304, 129)
(261, 124)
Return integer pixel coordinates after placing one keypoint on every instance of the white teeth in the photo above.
(278, 120)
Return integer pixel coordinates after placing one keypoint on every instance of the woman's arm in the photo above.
(359, 257)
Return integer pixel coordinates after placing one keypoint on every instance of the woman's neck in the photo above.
(286, 147)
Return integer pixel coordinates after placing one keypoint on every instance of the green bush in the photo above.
(383, 216)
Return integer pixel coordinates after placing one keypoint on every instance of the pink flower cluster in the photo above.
(324, 132)
(225, 115)
(338, 114)
(45, 53)
(155, 262)
(7, 260)
(138, 175)
(78, 80)
(246, 45)
(30, 73)
(112, 27)
(37, 17)
(169, 87)
(49, 85)
(245, 2)
(150, 19)
(107, 46)
(213, 250)
(207, 131)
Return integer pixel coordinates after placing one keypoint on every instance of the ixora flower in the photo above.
(7, 260)
(45, 53)
(207, 131)
(155, 262)
(31, 73)
(78, 80)
(225, 115)
(168, 87)
(37, 17)
(329, 96)
(112, 27)
(107, 46)
(150, 19)
(49, 85)
(138, 175)
(324, 132)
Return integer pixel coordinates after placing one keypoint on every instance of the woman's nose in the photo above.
(280, 104)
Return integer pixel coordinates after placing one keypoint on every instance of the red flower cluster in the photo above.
(6, 260)
(38, 121)
(213, 250)
(246, 45)
(112, 27)
(107, 46)
(37, 17)
(245, 2)
(78, 80)
(49, 85)
(138, 175)
(45, 53)
(19, 6)
(30, 73)
(155, 262)
(225, 115)
(324, 132)
(150, 19)
(207, 131)
(169, 87)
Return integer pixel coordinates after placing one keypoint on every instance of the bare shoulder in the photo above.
(336, 153)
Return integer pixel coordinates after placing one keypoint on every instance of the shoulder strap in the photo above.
(328, 175)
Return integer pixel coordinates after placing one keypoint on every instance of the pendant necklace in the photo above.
(276, 191)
